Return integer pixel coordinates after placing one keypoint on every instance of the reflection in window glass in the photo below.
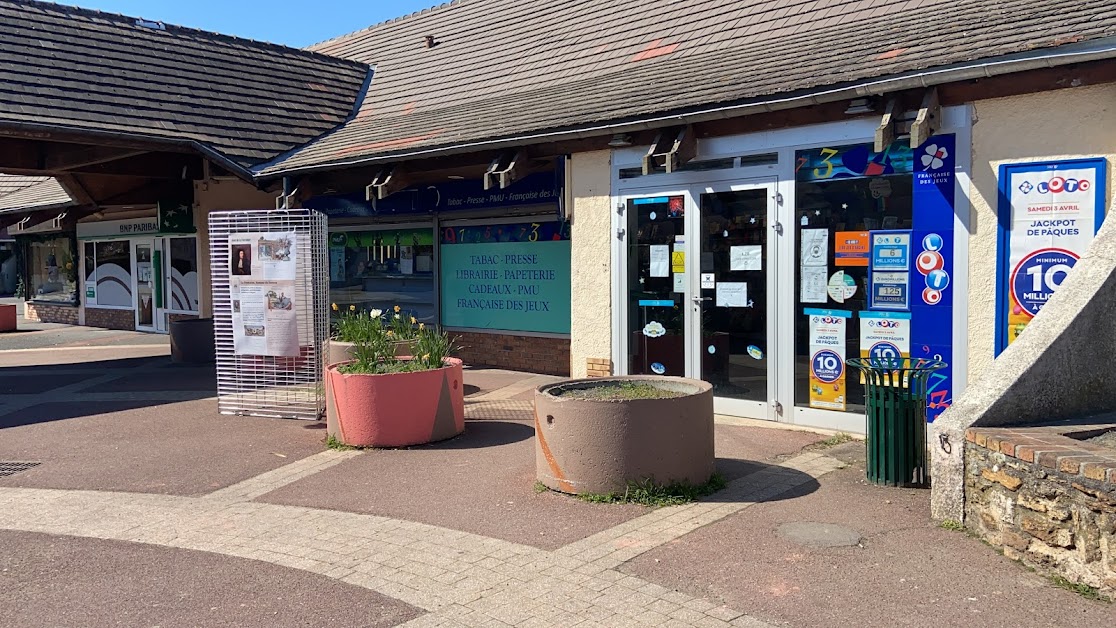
(846, 193)
(183, 275)
(112, 274)
(53, 270)
(379, 269)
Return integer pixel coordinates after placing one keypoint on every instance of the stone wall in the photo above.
(591, 262)
(110, 318)
(549, 356)
(48, 313)
(1048, 500)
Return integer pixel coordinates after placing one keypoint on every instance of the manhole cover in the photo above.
(12, 468)
(819, 534)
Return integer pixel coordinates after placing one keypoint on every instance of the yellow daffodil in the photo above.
(334, 307)
(388, 333)
(422, 326)
(352, 308)
(398, 309)
(426, 356)
(413, 320)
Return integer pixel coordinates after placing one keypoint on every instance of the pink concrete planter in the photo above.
(398, 409)
(338, 352)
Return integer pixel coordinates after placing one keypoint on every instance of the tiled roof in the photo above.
(506, 68)
(247, 100)
(19, 194)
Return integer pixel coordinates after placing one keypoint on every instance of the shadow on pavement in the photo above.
(480, 434)
(732, 469)
(53, 392)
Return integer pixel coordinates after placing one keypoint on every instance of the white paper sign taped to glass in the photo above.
(732, 294)
(813, 288)
(748, 257)
(660, 260)
(815, 247)
(262, 273)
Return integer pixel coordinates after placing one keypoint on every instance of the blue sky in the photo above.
(296, 23)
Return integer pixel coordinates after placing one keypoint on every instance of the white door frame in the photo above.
(156, 308)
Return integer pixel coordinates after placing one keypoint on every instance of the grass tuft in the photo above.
(836, 439)
(648, 493)
(332, 442)
(1084, 590)
(952, 525)
(541, 488)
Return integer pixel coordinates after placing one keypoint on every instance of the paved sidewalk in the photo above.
(149, 508)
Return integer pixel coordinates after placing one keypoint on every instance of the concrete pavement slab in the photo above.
(905, 572)
(48, 580)
(183, 448)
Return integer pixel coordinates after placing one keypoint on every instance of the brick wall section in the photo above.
(110, 319)
(46, 313)
(598, 367)
(548, 356)
(1048, 500)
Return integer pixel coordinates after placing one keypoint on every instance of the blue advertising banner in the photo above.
(507, 286)
(931, 295)
(534, 189)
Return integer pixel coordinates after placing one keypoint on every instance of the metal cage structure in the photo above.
(258, 385)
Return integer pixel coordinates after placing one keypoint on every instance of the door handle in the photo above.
(700, 299)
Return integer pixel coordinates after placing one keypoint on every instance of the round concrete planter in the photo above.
(338, 352)
(599, 446)
(398, 409)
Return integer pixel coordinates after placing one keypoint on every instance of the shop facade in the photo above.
(492, 267)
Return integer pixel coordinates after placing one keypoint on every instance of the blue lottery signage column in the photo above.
(933, 249)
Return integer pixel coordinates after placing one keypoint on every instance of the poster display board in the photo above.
(827, 358)
(518, 284)
(262, 287)
(1048, 215)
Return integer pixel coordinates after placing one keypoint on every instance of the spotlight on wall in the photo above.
(620, 140)
(860, 105)
(455, 177)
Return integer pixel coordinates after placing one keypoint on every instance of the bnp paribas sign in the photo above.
(123, 228)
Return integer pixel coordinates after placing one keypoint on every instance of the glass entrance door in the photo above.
(699, 267)
(148, 287)
(733, 322)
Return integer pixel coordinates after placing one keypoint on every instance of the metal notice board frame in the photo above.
(256, 385)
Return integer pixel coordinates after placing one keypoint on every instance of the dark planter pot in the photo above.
(599, 446)
(191, 341)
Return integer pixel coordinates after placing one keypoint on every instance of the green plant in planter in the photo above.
(374, 339)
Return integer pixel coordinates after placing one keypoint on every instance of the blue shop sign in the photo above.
(534, 189)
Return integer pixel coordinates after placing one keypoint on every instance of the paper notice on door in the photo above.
(815, 247)
(749, 257)
(708, 281)
(732, 294)
(660, 260)
(679, 282)
(814, 283)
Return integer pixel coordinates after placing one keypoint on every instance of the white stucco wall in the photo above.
(1064, 124)
(216, 195)
(591, 251)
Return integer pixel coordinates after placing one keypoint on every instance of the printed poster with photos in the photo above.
(262, 286)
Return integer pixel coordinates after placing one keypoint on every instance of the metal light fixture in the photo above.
(620, 140)
(860, 105)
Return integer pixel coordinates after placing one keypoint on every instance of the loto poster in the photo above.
(885, 335)
(262, 275)
(827, 358)
(1049, 213)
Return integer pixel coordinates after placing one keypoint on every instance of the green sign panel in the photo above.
(520, 286)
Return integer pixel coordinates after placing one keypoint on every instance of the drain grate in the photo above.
(12, 468)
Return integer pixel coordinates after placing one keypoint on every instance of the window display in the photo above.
(108, 279)
(52, 269)
(379, 269)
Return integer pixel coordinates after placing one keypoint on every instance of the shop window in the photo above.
(108, 280)
(379, 269)
(843, 195)
(182, 274)
(52, 270)
(506, 277)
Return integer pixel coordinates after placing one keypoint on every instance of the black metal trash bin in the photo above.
(895, 410)
(192, 341)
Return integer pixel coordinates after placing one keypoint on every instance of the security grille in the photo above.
(257, 385)
(12, 468)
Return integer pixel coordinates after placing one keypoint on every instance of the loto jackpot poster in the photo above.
(262, 274)
(827, 358)
(1049, 213)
